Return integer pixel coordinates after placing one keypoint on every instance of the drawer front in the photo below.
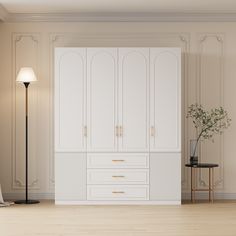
(118, 160)
(117, 176)
(117, 192)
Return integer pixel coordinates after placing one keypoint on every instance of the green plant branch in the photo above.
(199, 136)
(209, 122)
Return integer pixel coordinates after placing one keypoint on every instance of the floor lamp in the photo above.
(25, 76)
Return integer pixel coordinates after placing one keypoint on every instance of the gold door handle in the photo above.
(85, 131)
(118, 160)
(118, 176)
(117, 192)
(121, 131)
(117, 131)
(152, 131)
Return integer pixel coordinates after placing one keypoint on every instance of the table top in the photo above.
(202, 165)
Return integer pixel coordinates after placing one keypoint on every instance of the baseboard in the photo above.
(18, 196)
(185, 196)
(204, 195)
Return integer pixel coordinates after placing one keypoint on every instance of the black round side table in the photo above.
(194, 167)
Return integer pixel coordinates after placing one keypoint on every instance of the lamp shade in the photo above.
(26, 75)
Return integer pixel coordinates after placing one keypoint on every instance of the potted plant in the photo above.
(207, 124)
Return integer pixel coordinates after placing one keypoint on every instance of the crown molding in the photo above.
(3, 13)
(116, 17)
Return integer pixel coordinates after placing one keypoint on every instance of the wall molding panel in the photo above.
(3, 13)
(210, 94)
(25, 53)
(208, 77)
(54, 40)
(185, 39)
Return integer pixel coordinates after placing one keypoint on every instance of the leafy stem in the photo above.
(199, 136)
(208, 122)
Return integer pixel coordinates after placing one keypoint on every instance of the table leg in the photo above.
(212, 187)
(191, 184)
(194, 184)
(210, 184)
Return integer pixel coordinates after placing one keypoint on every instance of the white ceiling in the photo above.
(120, 6)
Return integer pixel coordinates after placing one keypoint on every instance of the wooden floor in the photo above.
(46, 219)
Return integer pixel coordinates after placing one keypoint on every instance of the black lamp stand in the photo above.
(26, 201)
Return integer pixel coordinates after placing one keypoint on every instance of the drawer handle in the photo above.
(121, 131)
(117, 131)
(85, 131)
(118, 160)
(117, 192)
(118, 176)
(152, 131)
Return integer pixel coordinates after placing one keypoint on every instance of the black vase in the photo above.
(194, 160)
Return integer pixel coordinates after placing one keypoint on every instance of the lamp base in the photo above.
(27, 202)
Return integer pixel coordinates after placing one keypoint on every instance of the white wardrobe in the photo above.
(117, 125)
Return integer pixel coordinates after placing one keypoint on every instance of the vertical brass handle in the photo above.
(121, 131)
(152, 131)
(85, 131)
(117, 131)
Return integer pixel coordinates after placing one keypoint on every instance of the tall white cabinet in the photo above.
(117, 125)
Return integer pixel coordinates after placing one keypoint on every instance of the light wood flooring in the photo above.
(46, 219)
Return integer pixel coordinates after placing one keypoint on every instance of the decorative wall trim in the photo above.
(203, 70)
(3, 13)
(53, 40)
(18, 97)
(185, 39)
(118, 17)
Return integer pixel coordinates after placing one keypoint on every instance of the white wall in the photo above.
(209, 76)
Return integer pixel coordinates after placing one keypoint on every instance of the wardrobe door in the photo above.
(165, 177)
(102, 99)
(165, 73)
(133, 99)
(70, 177)
(70, 80)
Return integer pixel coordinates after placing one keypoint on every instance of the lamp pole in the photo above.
(26, 140)
(24, 76)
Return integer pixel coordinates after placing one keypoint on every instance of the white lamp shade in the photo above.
(26, 75)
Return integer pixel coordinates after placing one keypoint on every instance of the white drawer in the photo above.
(117, 176)
(117, 192)
(117, 160)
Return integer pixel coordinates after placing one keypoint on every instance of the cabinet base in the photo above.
(62, 202)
